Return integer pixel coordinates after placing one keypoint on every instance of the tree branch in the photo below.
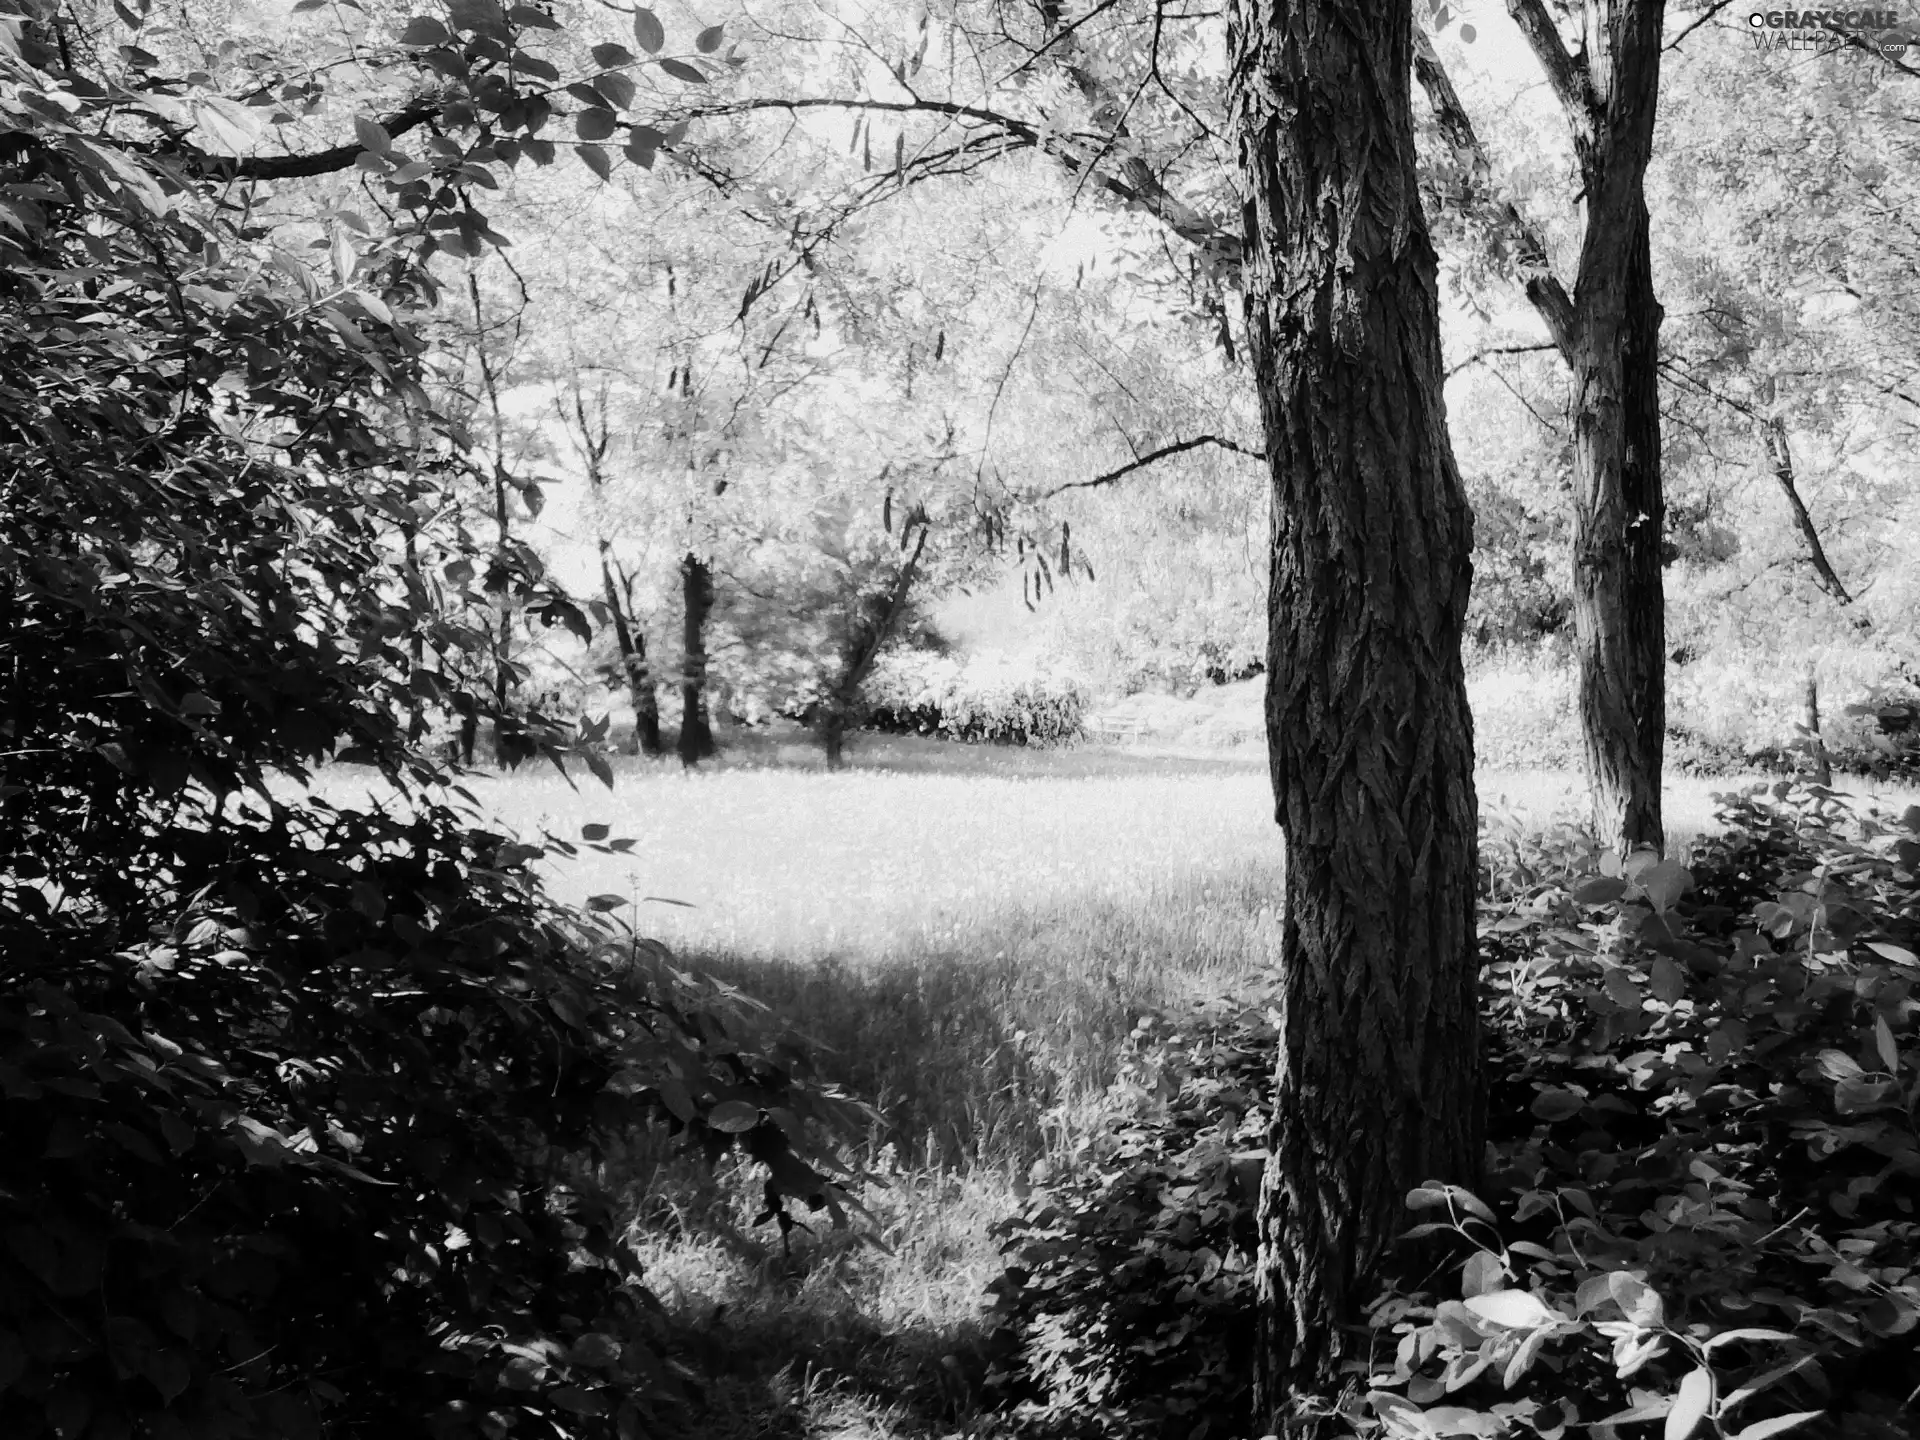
(1712, 10)
(1138, 187)
(1566, 75)
(299, 167)
(1480, 355)
(1528, 245)
(1176, 448)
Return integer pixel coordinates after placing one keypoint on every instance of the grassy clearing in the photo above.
(971, 933)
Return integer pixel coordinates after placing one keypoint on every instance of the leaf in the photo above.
(600, 904)
(596, 159)
(595, 124)
(709, 39)
(1599, 890)
(1664, 884)
(1897, 954)
(617, 89)
(1748, 1335)
(1515, 1309)
(680, 70)
(233, 128)
(423, 31)
(1557, 1104)
(1690, 1404)
(1483, 1271)
(1637, 1300)
(648, 30)
(372, 135)
(734, 1117)
(595, 832)
(1883, 1042)
(1669, 981)
(1622, 989)
(1779, 1424)
(1837, 1065)
(611, 57)
(1761, 1382)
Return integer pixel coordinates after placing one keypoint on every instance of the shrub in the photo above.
(1127, 1304)
(1697, 1207)
(300, 1103)
(912, 692)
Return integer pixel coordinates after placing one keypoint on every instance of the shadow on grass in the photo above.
(984, 1055)
(787, 1369)
(872, 1330)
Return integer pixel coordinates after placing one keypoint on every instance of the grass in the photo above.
(970, 934)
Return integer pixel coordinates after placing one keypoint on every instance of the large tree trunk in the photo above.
(633, 662)
(696, 591)
(1619, 599)
(1378, 1079)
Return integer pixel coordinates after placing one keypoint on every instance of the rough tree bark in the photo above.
(1378, 1077)
(1608, 332)
(696, 592)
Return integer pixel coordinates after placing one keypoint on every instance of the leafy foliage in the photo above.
(1696, 1209)
(1127, 1305)
(917, 692)
(300, 1101)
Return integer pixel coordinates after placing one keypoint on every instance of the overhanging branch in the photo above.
(1136, 186)
(300, 167)
(1567, 76)
(1178, 447)
(1526, 243)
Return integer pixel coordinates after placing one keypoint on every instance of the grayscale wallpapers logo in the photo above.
(1829, 30)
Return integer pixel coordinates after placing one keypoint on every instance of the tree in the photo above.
(1608, 333)
(1370, 738)
(589, 429)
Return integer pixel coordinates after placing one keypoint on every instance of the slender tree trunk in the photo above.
(696, 733)
(1619, 597)
(1608, 332)
(417, 652)
(633, 663)
(507, 731)
(1378, 1078)
(1822, 767)
(1780, 455)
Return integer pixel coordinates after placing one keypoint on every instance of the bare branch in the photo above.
(1705, 15)
(1480, 355)
(1566, 75)
(1529, 246)
(1136, 186)
(1176, 448)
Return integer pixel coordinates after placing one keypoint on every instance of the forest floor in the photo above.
(969, 934)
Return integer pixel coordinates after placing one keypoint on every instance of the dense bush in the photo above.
(916, 693)
(1127, 1305)
(1698, 1208)
(300, 1103)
